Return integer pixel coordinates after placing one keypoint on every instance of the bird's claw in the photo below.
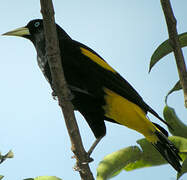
(77, 166)
(86, 161)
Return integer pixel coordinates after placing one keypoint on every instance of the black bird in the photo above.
(100, 93)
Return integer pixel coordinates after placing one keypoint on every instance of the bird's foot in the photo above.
(88, 160)
(77, 166)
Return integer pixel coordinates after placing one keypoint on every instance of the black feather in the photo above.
(168, 151)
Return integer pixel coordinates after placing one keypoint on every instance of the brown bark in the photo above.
(175, 44)
(61, 89)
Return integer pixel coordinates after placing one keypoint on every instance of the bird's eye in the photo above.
(36, 24)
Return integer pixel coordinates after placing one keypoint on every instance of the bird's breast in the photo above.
(42, 62)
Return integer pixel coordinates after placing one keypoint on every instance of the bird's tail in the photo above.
(168, 150)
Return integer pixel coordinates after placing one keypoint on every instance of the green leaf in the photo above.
(47, 178)
(150, 157)
(133, 157)
(10, 154)
(184, 169)
(181, 144)
(177, 87)
(178, 127)
(113, 163)
(1, 177)
(165, 48)
(6, 156)
(44, 178)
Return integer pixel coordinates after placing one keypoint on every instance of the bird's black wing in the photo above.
(92, 73)
(106, 75)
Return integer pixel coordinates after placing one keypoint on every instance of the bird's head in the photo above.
(34, 31)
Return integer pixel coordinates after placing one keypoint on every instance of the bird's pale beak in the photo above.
(23, 31)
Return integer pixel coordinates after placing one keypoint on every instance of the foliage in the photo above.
(8, 155)
(44, 178)
(133, 157)
(165, 48)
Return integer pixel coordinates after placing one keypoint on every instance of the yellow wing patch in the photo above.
(97, 59)
(128, 114)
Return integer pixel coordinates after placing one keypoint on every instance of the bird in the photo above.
(99, 92)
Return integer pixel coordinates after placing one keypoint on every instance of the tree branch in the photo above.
(61, 89)
(175, 44)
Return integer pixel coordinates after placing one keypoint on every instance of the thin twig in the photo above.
(175, 44)
(61, 89)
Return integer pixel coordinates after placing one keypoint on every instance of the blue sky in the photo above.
(125, 33)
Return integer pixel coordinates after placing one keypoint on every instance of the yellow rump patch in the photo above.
(97, 59)
(128, 114)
